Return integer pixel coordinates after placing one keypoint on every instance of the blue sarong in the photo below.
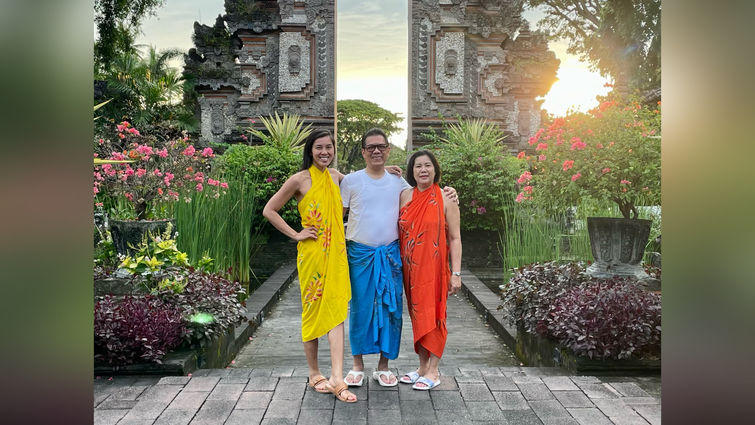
(376, 298)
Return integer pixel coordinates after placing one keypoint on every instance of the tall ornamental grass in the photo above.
(532, 236)
(224, 228)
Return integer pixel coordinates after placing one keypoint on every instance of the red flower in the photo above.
(576, 176)
(520, 155)
(567, 164)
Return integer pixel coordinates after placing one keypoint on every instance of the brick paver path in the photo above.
(482, 383)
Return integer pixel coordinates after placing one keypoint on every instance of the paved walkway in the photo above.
(482, 383)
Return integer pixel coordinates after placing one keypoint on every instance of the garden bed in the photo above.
(537, 351)
(222, 349)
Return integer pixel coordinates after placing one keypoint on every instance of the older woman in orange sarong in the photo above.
(429, 235)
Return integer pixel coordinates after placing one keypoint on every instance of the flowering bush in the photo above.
(146, 172)
(612, 153)
(597, 318)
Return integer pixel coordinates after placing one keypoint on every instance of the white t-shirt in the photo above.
(373, 207)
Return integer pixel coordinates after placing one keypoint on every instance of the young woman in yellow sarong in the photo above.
(321, 260)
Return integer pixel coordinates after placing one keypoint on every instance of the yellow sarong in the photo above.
(322, 264)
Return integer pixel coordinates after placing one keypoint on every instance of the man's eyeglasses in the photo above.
(371, 148)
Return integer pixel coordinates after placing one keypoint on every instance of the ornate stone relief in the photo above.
(448, 65)
(295, 70)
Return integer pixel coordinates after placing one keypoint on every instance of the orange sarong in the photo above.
(424, 253)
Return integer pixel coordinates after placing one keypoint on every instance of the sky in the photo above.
(372, 53)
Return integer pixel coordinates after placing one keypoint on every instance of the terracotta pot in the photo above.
(127, 233)
(618, 245)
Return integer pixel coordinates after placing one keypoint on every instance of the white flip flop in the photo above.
(412, 378)
(387, 373)
(429, 384)
(357, 373)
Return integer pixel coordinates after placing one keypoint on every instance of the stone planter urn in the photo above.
(126, 232)
(618, 245)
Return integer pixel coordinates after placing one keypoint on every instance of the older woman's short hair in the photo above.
(410, 167)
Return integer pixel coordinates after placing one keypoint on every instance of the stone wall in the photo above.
(477, 59)
(263, 57)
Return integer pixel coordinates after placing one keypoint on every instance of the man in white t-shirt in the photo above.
(371, 196)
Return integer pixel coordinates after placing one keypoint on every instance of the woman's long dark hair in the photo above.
(307, 158)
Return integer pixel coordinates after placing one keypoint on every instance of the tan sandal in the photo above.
(318, 380)
(338, 391)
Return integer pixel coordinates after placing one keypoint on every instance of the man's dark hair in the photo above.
(410, 167)
(308, 159)
(373, 132)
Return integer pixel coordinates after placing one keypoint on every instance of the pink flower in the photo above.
(101, 141)
(606, 170)
(162, 153)
(199, 187)
(577, 143)
(169, 176)
(567, 164)
(481, 210)
(140, 172)
(212, 182)
(576, 176)
(520, 197)
(269, 179)
(243, 137)
(541, 158)
(157, 172)
(118, 156)
(129, 171)
(528, 189)
(525, 177)
(541, 147)
(129, 196)
(134, 131)
(120, 128)
(173, 195)
(520, 155)
(224, 185)
(532, 140)
(199, 177)
(159, 191)
(96, 190)
(207, 152)
(189, 151)
(98, 204)
(121, 135)
(626, 182)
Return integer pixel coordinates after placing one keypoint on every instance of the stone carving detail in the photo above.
(292, 61)
(263, 57)
(477, 59)
(449, 72)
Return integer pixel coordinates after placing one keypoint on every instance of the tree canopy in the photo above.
(117, 23)
(355, 117)
(619, 38)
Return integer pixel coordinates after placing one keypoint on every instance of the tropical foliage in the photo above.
(117, 23)
(283, 133)
(474, 161)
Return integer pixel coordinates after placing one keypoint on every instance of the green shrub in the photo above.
(263, 168)
(474, 161)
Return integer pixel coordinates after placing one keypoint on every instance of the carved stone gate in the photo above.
(263, 57)
(476, 59)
